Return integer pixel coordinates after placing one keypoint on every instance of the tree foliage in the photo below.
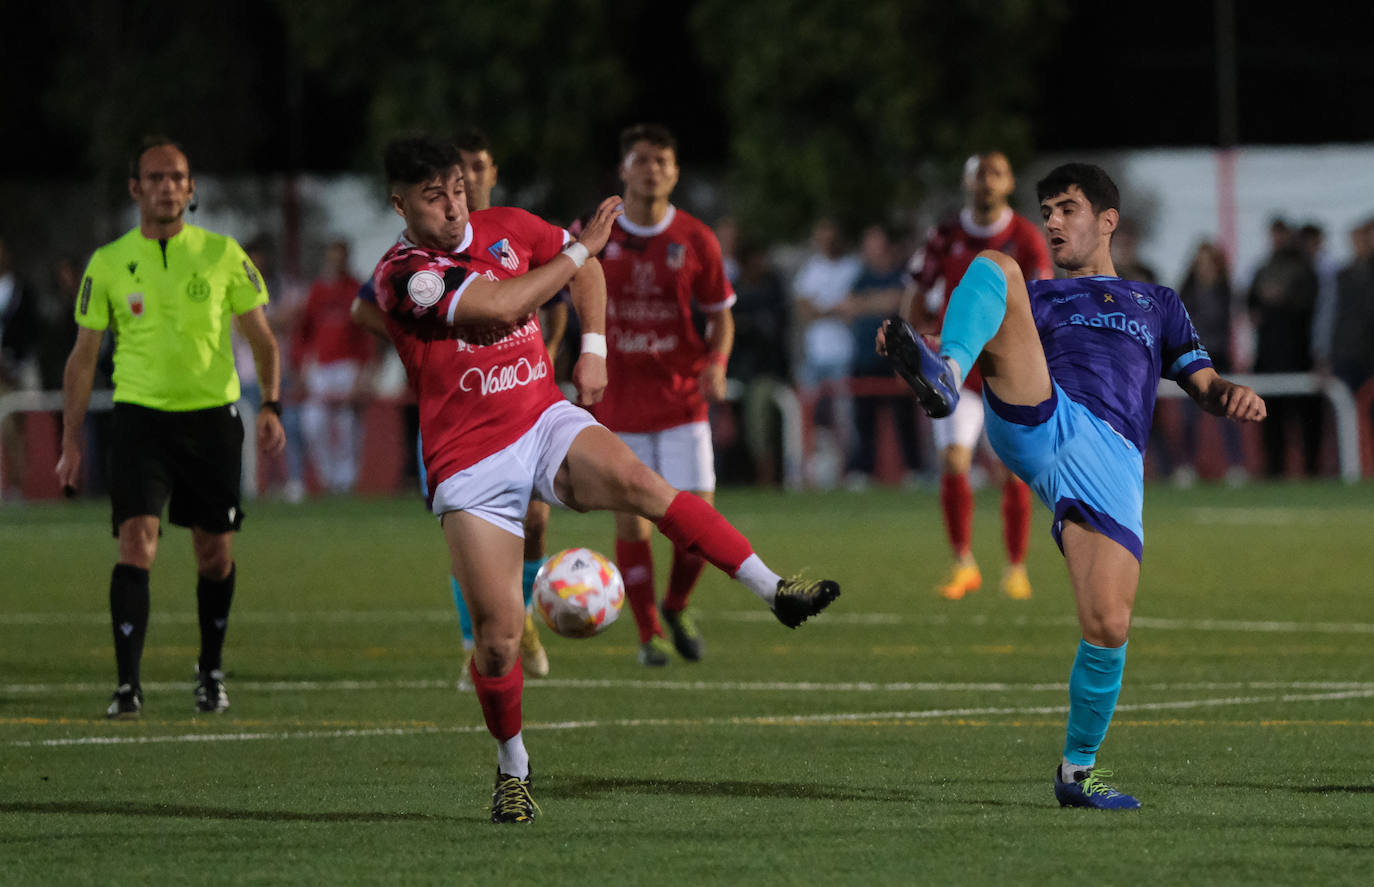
(541, 77)
(836, 107)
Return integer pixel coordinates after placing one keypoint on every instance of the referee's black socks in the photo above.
(129, 617)
(213, 597)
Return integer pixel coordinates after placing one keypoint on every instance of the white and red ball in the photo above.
(579, 592)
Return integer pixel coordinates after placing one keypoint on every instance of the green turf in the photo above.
(899, 739)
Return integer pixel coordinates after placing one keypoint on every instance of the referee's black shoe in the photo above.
(210, 695)
(126, 704)
(921, 368)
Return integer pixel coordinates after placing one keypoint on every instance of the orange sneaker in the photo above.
(964, 578)
(1015, 583)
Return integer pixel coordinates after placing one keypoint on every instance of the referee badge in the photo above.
(198, 288)
(136, 304)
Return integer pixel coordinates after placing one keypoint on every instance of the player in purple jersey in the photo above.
(1070, 372)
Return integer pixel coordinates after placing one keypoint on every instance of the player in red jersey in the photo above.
(662, 266)
(986, 222)
(460, 294)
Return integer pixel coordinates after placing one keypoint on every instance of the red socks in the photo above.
(1016, 512)
(635, 558)
(687, 569)
(956, 498)
(699, 529)
(500, 699)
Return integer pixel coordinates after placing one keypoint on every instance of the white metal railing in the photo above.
(788, 404)
(102, 401)
(1336, 392)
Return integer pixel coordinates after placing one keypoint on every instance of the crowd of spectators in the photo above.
(804, 327)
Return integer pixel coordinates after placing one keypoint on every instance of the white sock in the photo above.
(511, 757)
(756, 576)
(1071, 772)
(956, 371)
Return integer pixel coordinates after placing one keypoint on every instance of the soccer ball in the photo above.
(579, 593)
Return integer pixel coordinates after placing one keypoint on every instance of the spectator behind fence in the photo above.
(19, 320)
(283, 474)
(821, 292)
(760, 359)
(876, 295)
(1352, 340)
(330, 351)
(1206, 293)
(1282, 299)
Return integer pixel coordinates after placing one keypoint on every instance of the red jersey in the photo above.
(655, 277)
(480, 387)
(325, 333)
(955, 243)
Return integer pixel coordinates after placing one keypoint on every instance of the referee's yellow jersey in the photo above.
(171, 304)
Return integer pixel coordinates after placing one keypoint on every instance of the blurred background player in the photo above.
(170, 290)
(460, 294)
(330, 351)
(479, 179)
(987, 221)
(663, 267)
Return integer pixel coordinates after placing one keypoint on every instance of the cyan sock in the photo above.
(527, 578)
(464, 620)
(975, 312)
(1094, 685)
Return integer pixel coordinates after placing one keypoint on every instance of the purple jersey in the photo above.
(1108, 341)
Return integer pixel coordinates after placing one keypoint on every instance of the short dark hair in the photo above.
(472, 140)
(148, 143)
(655, 134)
(416, 158)
(1093, 180)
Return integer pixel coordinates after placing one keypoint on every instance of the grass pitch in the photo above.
(897, 739)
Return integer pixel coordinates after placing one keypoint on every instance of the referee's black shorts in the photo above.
(195, 458)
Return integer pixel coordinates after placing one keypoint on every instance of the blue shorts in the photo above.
(1075, 462)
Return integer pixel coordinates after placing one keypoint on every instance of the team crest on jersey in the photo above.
(612, 250)
(136, 304)
(425, 288)
(677, 254)
(1143, 301)
(502, 252)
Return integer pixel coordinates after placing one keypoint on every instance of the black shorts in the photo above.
(195, 458)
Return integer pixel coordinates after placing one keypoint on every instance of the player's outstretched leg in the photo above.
(601, 473)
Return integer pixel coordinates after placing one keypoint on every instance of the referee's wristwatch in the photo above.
(273, 405)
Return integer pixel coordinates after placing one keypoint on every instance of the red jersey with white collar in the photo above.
(480, 387)
(955, 243)
(655, 277)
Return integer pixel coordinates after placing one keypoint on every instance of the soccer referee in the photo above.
(170, 291)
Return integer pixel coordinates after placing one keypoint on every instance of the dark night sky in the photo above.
(1144, 75)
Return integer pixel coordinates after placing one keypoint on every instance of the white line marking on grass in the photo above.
(372, 617)
(1274, 516)
(760, 720)
(446, 685)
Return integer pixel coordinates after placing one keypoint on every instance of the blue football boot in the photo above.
(1091, 791)
(924, 370)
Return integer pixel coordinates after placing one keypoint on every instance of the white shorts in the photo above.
(682, 455)
(964, 426)
(498, 488)
(331, 381)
